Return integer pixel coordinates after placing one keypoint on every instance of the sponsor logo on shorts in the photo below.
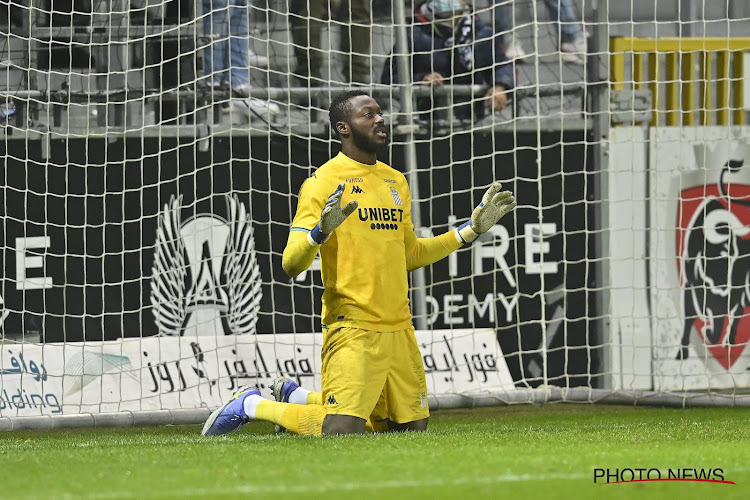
(423, 398)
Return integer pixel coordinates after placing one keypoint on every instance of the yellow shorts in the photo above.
(373, 375)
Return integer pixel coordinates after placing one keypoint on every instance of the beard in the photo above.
(366, 144)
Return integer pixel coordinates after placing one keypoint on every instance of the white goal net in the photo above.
(152, 152)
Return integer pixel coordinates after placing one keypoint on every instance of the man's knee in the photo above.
(343, 424)
(416, 425)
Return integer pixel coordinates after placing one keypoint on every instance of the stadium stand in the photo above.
(113, 51)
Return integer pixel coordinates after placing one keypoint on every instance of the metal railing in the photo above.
(691, 80)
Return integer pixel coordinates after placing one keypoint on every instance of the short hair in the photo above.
(340, 108)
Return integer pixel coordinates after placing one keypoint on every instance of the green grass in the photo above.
(512, 453)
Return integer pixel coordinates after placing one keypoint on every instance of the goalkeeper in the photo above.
(356, 211)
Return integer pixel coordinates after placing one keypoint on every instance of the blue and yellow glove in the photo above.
(332, 216)
(494, 205)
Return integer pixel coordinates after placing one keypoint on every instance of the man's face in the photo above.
(367, 124)
(447, 11)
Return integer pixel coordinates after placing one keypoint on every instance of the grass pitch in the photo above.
(513, 453)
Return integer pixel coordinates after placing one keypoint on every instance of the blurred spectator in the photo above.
(571, 37)
(306, 18)
(449, 45)
(227, 60)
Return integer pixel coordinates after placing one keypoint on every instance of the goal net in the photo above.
(152, 154)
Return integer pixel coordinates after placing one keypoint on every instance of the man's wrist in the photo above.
(465, 234)
(316, 237)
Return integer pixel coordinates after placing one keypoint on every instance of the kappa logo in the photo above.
(357, 190)
(396, 197)
(205, 271)
(713, 256)
(331, 400)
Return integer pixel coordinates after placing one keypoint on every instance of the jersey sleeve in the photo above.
(300, 252)
(309, 205)
(422, 252)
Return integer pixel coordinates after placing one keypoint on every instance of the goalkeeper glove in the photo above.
(494, 205)
(331, 217)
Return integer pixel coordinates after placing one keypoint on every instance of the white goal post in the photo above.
(152, 153)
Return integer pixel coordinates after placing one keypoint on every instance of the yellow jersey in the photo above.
(364, 262)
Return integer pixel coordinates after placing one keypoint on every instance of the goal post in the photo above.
(152, 155)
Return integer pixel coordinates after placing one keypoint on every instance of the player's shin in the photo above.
(299, 419)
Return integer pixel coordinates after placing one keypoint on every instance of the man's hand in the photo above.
(496, 97)
(433, 79)
(495, 204)
(331, 217)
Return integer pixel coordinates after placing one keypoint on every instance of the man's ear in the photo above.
(343, 128)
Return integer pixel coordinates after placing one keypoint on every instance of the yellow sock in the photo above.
(299, 419)
(316, 398)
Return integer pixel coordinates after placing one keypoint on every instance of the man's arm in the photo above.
(426, 251)
(422, 252)
(390, 68)
(493, 66)
(303, 245)
(425, 57)
(298, 253)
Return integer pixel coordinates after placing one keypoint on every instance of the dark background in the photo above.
(99, 201)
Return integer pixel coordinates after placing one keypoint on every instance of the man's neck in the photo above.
(360, 156)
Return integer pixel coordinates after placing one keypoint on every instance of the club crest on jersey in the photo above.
(713, 255)
(205, 273)
(396, 197)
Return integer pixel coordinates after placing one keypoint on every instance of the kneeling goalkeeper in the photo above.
(356, 211)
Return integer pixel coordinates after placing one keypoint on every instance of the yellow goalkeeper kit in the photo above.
(370, 355)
